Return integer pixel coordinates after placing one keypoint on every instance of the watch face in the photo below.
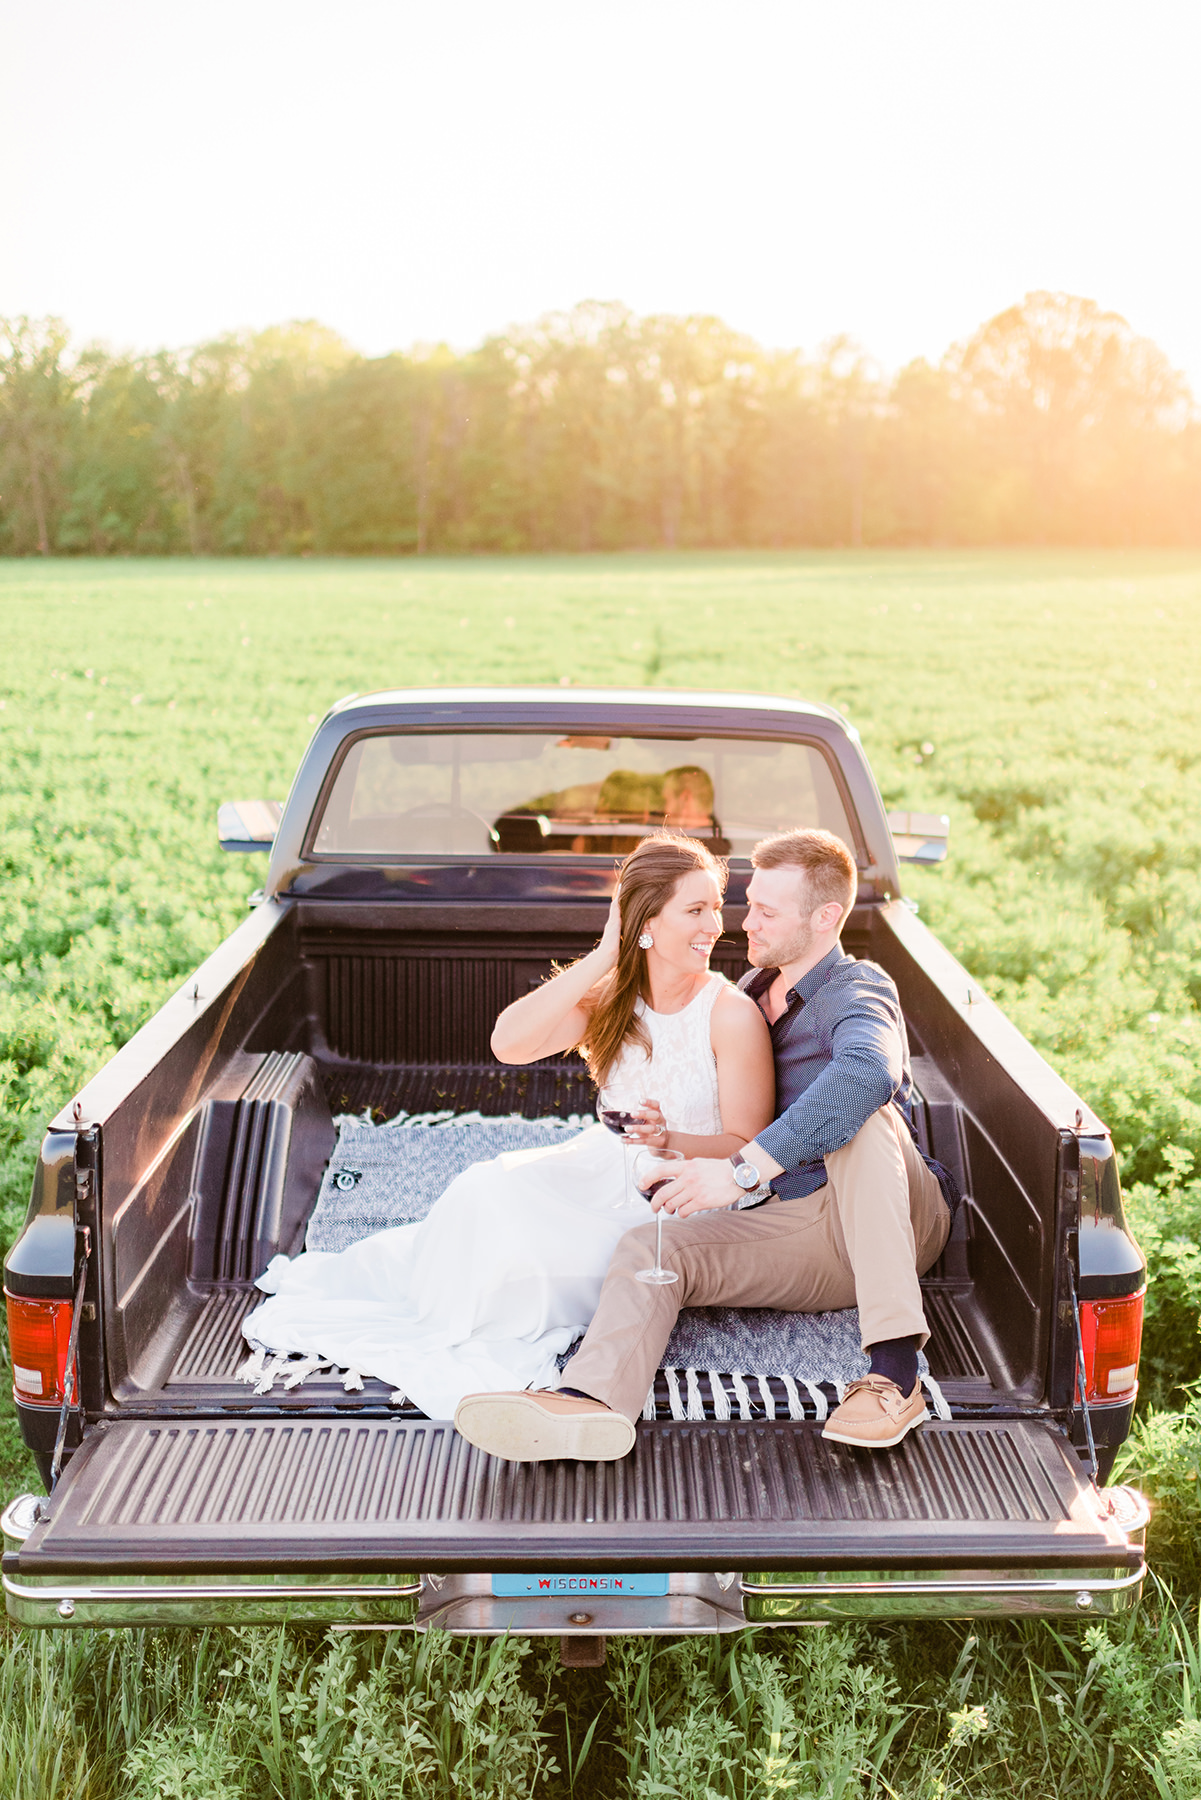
(746, 1177)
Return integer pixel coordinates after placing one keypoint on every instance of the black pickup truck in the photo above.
(439, 851)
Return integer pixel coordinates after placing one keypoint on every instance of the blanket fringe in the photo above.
(686, 1401)
(769, 1399)
(274, 1366)
(796, 1406)
(742, 1394)
(821, 1405)
(696, 1406)
(253, 1368)
(298, 1373)
(263, 1369)
(407, 1121)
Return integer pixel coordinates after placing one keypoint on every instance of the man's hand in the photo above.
(704, 1184)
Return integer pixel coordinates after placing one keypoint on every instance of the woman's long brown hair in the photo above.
(648, 878)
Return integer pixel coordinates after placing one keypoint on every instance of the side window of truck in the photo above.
(402, 794)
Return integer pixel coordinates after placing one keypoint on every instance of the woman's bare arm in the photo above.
(746, 1083)
(554, 1017)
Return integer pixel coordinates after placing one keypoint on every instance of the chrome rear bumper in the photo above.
(695, 1604)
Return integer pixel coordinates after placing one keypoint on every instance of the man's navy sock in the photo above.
(897, 1359)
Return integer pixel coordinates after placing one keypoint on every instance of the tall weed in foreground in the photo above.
(44, 1754)
(760, 1714)
(918, 1711)
(260, 1714)
(1036, 1709)
(361, 1719)
(1162, 1458)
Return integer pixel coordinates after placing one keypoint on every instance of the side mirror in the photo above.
(920, 837)
(248, 824)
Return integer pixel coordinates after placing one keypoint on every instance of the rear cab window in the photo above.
(474, 794)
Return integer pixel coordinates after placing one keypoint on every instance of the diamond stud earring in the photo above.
(645, 941)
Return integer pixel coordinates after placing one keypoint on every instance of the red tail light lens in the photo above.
(1112, 1331)
(38, 1331)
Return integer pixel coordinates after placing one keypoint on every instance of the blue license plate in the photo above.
(577, 1587)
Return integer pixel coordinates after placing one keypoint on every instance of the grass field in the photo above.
(1047, 702)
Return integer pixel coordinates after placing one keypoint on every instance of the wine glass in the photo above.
(619, 1122)
(652, 1170)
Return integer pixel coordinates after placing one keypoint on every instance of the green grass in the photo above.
(1047, 702)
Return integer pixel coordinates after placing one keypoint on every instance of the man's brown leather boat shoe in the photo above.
(875, 1414)
(542, 1426)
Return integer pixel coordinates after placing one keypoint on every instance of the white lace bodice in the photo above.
(681, 1071)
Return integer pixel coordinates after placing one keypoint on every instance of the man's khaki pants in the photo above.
(862, 1239)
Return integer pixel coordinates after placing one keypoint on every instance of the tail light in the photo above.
(1112, 1332)
(38, 1331)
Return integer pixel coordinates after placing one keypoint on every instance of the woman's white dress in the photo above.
(506, 1270)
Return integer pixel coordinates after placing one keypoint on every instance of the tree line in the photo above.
(593, 430)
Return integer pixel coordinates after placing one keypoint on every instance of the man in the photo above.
(832, 1206)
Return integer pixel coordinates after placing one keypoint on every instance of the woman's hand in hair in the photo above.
(609, 947)
(556, 1015)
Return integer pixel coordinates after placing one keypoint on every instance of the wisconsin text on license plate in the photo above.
(569, 1587)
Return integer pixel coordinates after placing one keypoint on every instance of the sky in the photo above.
(417, 173)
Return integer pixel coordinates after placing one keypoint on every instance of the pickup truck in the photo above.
(439, 852)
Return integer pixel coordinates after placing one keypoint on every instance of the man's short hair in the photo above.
(827, 864)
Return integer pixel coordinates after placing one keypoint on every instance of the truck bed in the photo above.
(198, 1345)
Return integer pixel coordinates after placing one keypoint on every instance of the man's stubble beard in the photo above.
(783, 951)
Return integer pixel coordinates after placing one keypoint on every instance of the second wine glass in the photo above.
(652, 1170)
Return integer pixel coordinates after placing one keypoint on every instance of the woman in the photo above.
(506, 1270)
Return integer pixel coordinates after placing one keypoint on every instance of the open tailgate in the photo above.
(322, 1495)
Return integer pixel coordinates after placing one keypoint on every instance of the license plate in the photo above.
(576, 1587)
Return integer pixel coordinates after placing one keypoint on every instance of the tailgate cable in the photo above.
(1082, 1378)
(69, 1379)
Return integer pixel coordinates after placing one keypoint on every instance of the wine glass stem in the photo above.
(659, 1242)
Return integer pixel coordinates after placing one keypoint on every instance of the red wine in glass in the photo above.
(618, 1121)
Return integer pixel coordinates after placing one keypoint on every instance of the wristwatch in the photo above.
(754, 1189)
